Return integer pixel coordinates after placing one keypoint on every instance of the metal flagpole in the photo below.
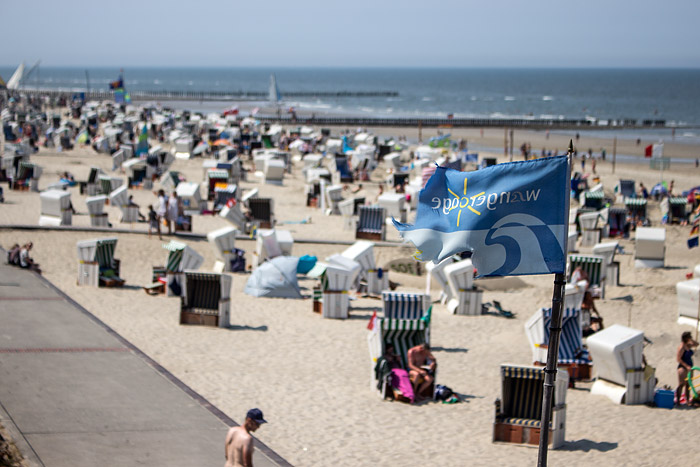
(550, 372)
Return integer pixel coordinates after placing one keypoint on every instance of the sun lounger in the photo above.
(371, 223)
(206, 299)
(649, 247)
(403, 334)
(55, 208)
(98, 267)
(519, 409)
(621, 373)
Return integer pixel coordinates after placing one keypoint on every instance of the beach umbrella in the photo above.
(659, 189)
(201, 148)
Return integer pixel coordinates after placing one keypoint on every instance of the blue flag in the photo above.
(511, 216)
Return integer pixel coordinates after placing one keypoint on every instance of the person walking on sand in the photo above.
(162, 208)
(173, 211)
(239, 441)
(153, 223)
(684, 357)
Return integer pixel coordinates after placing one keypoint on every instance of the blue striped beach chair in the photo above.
(595, 267)
(402, 334)
(402, 305)
(371, 223)
(519, 410)
(206, 299)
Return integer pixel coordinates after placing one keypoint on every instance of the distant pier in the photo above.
(162, 95)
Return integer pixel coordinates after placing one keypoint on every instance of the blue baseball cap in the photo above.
(256, 415)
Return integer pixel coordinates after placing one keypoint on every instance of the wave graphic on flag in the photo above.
(513, 217)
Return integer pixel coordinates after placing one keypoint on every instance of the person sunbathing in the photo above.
(400, 381)
(422, 365)
(25, 261)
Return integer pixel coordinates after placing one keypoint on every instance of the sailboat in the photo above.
(274, 94)
(17, 78)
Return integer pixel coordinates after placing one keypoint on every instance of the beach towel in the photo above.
(401, 382)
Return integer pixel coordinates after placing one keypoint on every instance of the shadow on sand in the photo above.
(587, 445)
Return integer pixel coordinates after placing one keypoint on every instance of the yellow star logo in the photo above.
(465, 197)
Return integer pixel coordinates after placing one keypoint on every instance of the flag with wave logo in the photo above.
(695, 229)
(513, 217)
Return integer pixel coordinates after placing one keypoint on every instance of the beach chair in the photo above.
(625, 189)
(271, 243)
(466, 297)
(397, 181)
(393, 161)
(649, 247)
(402, 334)
(118, 159)
(519, 409)
(273, 171)
(232, 212)
(612, 268)
(342, 173)
(224, 242)
(621, 374)
(371, 223)
(170, 180)
(27, 176)
(92, 186)
(95, 207)
(590, 233)
(336, 281)
(108, 184)
(215, 178)
(394, 205)
(222, 195)
(138, 173)
(188, 192)
(595, 267)
(572, 354)
(120, 198)
(617, 222)
(97, 265)
(676, 209)
(688, 296)
(262, 211)
(437, 272)
(180, 258)
(637, 209)
(334, 195)
(592, 199)
(183, 147)
(405, 305)
(347, 211)
(362, 252)
(55, 208)
(206, 299)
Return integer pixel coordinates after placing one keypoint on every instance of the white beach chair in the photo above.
(519, 409)
(233, 214)
(607, 250)
(688, 295)
(437, 272)
(394, 205)
(466, 298)
(224, 242)
(590, 233)
(55, 208)
(347, 211)
(192, 202)
(362, 252)
(206, 299)
(180, 258)
(649, 247)
(594, 266)
(95, 206)
(334, 195)
(274, 171)
(97, 265)
(621, 373)
(339, 276)
(271, 243)
(118, 159)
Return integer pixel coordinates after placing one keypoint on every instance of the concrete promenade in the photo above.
(75, 393)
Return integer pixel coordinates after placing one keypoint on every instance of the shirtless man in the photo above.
(422, 364)
(239, 441)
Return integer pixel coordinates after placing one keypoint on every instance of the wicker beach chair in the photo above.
(206, 299)
(97, 265)
(595, 267)
(519, 409)
(262, 211)
(371, 223)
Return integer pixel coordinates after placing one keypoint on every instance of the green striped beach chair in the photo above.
(637, 208)
(180, 258)
(677, 211)
(595, 267)
(519, 410)
(402, 334)
(593, 199)
(97, 264)
(206, 299)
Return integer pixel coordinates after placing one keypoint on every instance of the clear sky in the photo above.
(356, 33)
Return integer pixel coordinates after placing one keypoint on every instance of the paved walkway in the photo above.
(75, 393)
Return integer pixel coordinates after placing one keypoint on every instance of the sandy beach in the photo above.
(311, 376)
